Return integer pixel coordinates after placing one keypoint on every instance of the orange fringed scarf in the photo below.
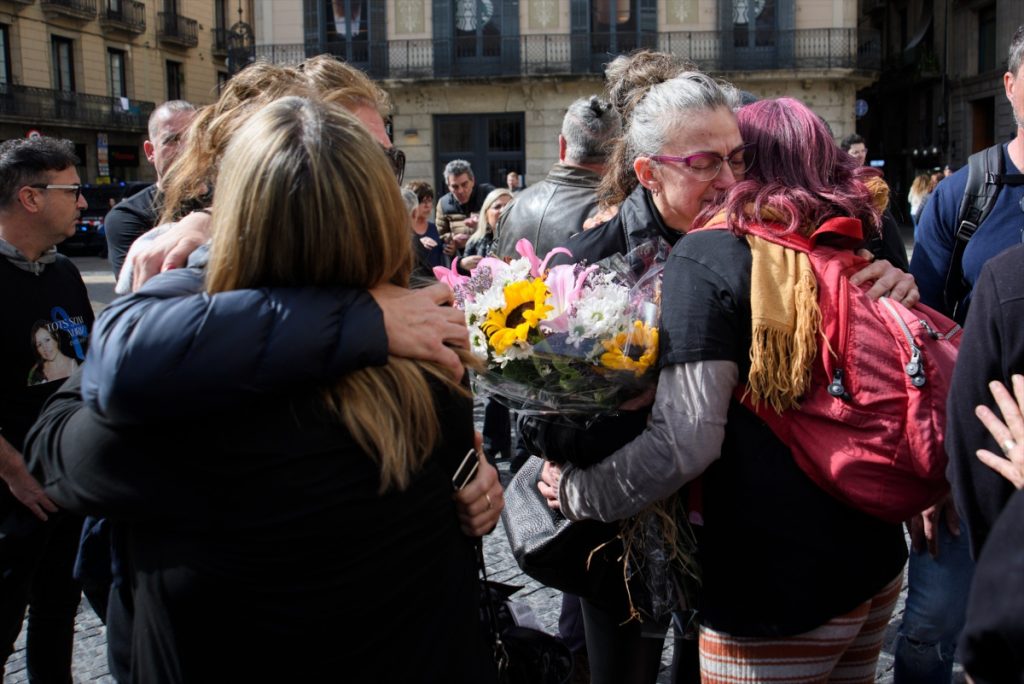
(785, 320)
(785, 317)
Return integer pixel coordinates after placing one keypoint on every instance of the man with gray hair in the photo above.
(551, 211)
(458, 211)
(137, 214)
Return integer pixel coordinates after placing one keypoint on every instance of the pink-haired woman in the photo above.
(796, 585)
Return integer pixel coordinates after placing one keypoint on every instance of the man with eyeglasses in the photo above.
(137, 214)
(44, 328)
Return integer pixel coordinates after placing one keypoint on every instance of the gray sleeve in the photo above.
(683, 438)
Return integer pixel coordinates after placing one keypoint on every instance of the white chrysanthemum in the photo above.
(601, 312)
(476, 313)
(517, 270)
(519, 350)
(478, 343)
(493, 298)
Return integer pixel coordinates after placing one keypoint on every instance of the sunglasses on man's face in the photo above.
(397, 159)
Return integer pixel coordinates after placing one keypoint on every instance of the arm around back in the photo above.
(88, 467)
(171, 351)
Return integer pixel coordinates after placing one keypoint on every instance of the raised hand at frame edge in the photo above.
(1008, 432)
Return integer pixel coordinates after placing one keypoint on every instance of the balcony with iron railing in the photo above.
(126, 15)
(58, 107)
(830, 48)
(220, 42)
(84, 10)
(174, 29)
(565, 54)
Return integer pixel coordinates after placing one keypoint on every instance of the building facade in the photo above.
(93, 70)
(940, 95)
(489, 80)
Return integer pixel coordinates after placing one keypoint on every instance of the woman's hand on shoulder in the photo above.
(420, 324)
(602, 216)
(170, 250)
(887, 281)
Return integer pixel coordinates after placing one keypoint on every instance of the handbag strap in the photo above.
(500, 652)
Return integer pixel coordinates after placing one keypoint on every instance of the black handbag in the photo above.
(554, 550)
(522, 655)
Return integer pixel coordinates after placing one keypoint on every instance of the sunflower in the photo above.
(634, 350)
(525, 307)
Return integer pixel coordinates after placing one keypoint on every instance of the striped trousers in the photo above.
(844, 649)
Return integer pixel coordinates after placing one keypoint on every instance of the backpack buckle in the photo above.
(966, 230)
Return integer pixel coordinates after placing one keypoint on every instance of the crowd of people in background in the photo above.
(253, 451)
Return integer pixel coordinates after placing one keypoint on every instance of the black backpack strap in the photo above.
(986, 170)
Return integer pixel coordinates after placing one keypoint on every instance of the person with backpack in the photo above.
(975, 213)
(795, 582)
(971, 217)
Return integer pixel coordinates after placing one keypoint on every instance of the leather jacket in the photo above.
(549, 212)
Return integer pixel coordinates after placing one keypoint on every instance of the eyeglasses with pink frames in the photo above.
(705, 166)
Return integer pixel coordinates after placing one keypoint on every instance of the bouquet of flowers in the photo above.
(569, 346)
(572, 339)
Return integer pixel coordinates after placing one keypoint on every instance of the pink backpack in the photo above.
(870, 429)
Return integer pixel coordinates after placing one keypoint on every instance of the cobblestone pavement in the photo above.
(90, 663)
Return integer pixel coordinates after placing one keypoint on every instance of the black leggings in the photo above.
(619, 654)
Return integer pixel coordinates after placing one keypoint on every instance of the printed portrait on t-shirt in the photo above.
(59, 346)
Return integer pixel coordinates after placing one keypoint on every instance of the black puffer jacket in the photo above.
(153, 349)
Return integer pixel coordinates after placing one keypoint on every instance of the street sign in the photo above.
(102, 154)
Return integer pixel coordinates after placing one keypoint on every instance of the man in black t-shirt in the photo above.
(137, 214)
(44, 328)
